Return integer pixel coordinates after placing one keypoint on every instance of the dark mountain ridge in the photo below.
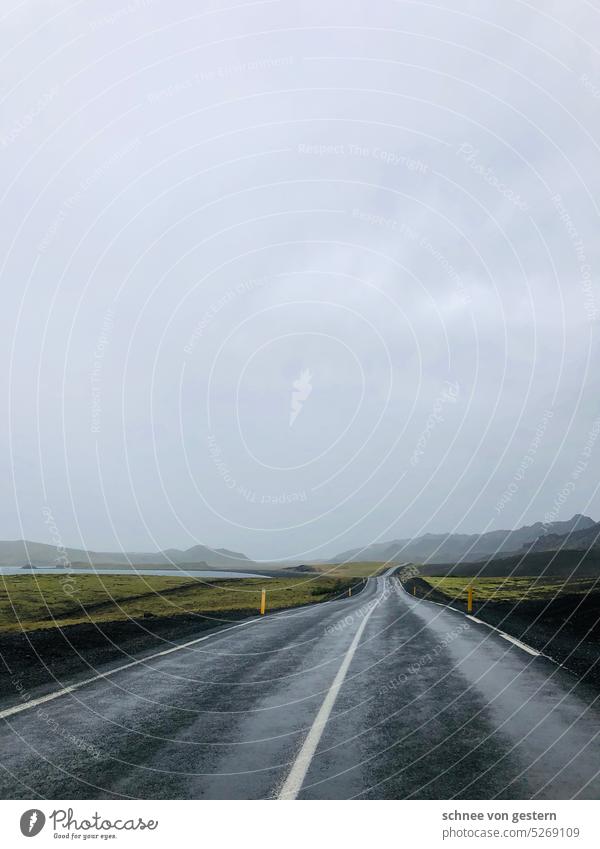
(445, 548)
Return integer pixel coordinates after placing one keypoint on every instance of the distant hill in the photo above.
(221, 557)
(580, 539)
(23, 552)
(446, 548)
(563, 564)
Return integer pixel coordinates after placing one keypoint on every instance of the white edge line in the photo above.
(56, 694)
(520, 644)
(529, 649)
(72, 687)
(524, 646)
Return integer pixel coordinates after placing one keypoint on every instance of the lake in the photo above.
(170, 573)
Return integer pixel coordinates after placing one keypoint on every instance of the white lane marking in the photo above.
(503, 634)
(295, 779)
(72, 687)
(521, 645)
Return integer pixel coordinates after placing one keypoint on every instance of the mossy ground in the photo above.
(32, 602)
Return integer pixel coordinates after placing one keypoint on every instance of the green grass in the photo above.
(512, 589)
(31, 602)
(350, 570)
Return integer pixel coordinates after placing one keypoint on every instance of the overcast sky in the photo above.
(292, 277)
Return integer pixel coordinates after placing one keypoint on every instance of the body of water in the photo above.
(171, 573)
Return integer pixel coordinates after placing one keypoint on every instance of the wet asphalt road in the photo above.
(432, 705)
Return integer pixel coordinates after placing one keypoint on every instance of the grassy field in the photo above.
(349, 570)
(33, 602)
(513, 589)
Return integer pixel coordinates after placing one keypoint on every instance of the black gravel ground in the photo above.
(567, 629)
(433, 705)
(43, 660)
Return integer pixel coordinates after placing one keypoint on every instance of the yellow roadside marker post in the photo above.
(263, 602)
(414, 589)
(469, 599)
(349, 591)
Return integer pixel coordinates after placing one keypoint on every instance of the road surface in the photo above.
(375, 696)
